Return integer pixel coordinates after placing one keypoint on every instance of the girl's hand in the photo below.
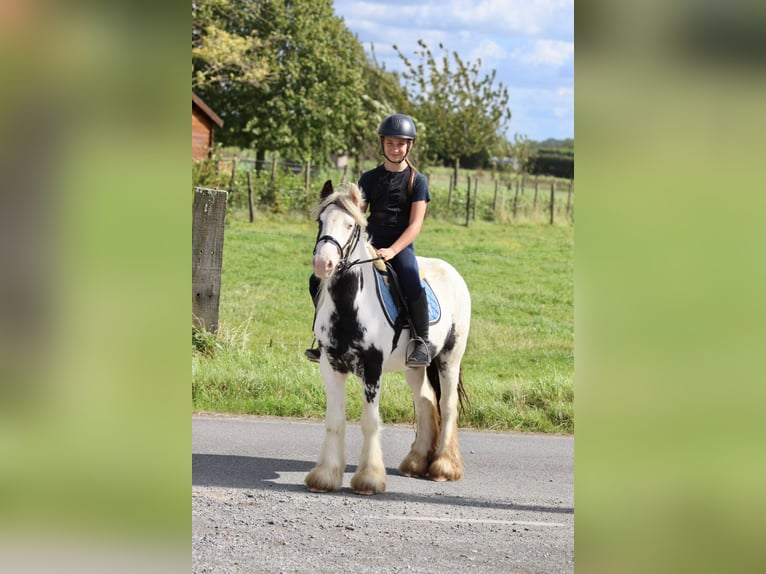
(386, 253)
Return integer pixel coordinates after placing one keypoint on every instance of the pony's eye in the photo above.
(349, 226)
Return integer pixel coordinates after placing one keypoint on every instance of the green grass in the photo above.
(518, 367)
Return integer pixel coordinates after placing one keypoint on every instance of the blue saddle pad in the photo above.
(391, 311)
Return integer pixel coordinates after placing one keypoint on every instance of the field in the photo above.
(519, 364)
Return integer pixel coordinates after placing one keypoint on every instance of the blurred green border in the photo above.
(669, 287)
(95, 429)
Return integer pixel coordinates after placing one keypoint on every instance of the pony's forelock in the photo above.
(343, 199)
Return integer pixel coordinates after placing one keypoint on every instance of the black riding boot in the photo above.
(313, 354)
(418, 354)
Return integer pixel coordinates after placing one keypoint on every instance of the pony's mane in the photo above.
(343, 199)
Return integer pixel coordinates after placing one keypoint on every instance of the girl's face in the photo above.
(395, 148)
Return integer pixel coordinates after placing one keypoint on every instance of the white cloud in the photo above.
(546, 52)
(488, 52)
(551, 18)
(529, 43)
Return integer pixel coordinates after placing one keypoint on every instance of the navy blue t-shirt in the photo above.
(386, 195)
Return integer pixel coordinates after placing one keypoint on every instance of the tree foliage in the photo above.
(382, 95)
(465, 115)
(283, 74)
(288, 76)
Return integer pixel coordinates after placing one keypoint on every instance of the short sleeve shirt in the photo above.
(386, 194)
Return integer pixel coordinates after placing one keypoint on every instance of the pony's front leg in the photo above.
(327, 475)
(427, 425)
(370, 477)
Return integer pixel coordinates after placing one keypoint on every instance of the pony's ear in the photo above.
(355, 194)
(326, 190)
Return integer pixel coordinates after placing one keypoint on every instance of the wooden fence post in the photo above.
(494, 202)
(515, 200)
(569, 197)
(250, 195)
(209, 211)
(553, 199)
(534, 203)
(468, 202)
(308, 184)
(233, 179)
(451, 187)
(475, 196)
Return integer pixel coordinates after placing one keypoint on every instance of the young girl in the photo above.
(397, 196)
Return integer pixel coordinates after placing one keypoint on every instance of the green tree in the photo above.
(464, 113)
(294, 82)
(521, 151)
(223, 55)
(383, 95)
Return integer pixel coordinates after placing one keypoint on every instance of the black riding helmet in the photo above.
(397, 126)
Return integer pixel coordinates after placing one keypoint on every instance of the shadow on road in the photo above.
(247, 472)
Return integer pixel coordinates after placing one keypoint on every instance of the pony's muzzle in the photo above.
(323, 266)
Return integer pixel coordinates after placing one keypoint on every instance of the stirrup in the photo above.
(418, 354)
(312, 355)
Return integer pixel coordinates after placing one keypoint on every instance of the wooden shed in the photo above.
(204, 121)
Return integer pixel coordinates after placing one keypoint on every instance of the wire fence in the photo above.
(273, 186)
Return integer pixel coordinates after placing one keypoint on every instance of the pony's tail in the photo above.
(432, 371)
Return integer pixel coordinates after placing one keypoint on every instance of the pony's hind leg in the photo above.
(327, 475)
(427, 425)
(370, 477)
(448, 462)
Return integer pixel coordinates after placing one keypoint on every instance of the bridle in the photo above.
(344, 250)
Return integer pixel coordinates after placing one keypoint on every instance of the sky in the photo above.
(529, 42)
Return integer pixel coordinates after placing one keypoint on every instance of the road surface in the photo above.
(512, 512)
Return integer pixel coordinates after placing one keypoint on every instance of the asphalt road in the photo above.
(512, 512)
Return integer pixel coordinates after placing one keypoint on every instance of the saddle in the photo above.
(394, 303)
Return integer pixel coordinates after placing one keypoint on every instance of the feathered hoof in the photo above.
(368, 482)
(414, 465)
(324, 479)
(443, 468)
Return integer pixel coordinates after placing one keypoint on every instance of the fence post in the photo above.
(553, 199)
(494, 201)
(534, 203)
(308, 184)
(250, 195)
(468, 202)
(209, 211)
(475, 196)
(273, 169)
(451, 187)
(515, 200)
(569, 197)
(233, 178)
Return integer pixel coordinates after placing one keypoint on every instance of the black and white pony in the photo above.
(355, 336)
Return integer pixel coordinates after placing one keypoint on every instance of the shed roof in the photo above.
(206, 110)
